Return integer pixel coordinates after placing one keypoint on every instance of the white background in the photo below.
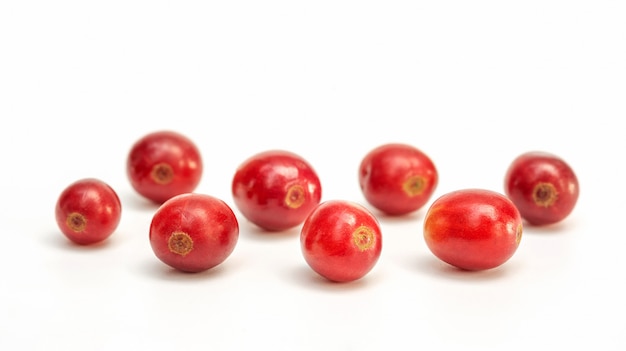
(471, 83)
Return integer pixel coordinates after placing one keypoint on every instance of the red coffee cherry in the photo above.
(397, 178)
(276, 189)
(193, 232)
(88, 211)
(543, 186)
(473, 229)
(341, 240)
(163, 164)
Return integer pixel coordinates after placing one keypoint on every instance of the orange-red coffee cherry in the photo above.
(88, 211)
(473, 229)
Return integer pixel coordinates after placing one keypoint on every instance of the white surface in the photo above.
(472, 83)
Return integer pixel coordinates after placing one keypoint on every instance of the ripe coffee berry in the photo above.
(397, 178)
(473, 229)
(542, 186)
(276, 189)
(193, 232)
(341, 240)
(163, 164)
(88, 211)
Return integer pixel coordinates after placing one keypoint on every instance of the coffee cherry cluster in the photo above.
(471, 229)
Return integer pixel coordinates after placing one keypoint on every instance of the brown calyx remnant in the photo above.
(180, 243)
(414, 185)
(363, 237)
(76, 222)
(518, 234)
(162, 173)
(295, 196)
(545, 194)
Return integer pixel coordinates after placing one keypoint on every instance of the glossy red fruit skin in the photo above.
(341, 240)
(473, 229)
(543, 186)
(88, 211)
(276, 189)
(397, 179)
(163, 164)
(193, 232)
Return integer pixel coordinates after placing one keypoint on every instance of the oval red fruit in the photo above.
(341, 240)
(88, 211)
(163, 164)
(543, 186)
(397, 178)
(276, 189)
(193, 232)
(473, 229)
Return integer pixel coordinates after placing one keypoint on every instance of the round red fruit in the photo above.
(473, 229)
(542, 186)
(163, 164)
(88, 211)
(276, 189)
(341, 240)
(193, 232)
(397, 178)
